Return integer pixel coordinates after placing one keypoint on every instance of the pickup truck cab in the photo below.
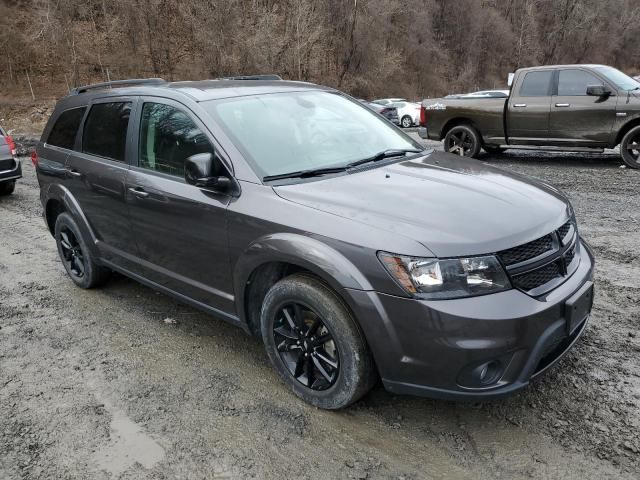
(555, 107)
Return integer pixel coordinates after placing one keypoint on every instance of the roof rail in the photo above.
(268, 76)
(118, 83)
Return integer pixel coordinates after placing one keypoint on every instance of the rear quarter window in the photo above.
(63, 133)
(536, 84)
(105, 131)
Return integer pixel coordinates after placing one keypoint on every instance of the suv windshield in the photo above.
(281, 133)
(621, 80)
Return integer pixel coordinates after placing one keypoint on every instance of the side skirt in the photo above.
(227, 317)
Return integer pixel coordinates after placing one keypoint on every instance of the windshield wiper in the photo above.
(316, 172)
(392, 152)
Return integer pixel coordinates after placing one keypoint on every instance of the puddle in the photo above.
(128, 444)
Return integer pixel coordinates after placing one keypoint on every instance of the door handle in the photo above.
(73, 172)
(138, 192)
(519, 105)
(562, 105)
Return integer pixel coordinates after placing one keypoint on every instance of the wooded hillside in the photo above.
(411, 48)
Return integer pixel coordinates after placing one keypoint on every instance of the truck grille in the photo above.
(8, 164)
(542, 261)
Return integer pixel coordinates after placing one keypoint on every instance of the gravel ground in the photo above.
(123, 382)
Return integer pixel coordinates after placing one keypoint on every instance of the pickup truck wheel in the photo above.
(7, 188)
(462, 140)
(315, 344)
(406, 121)
(630, 148)
(493, 149)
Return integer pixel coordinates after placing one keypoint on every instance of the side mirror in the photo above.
(198, 171)
(598, 91)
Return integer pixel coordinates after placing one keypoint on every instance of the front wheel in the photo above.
(463, 140)
(7, 188)
(406, 121)
(314, 343)
(630, 148)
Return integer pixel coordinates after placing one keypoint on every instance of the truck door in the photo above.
(529, 108)
(578, 119)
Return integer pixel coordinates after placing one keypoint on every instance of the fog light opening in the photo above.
(481, 375)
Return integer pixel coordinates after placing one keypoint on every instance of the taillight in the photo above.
(11, 144)
(423, 116)
(34, 158)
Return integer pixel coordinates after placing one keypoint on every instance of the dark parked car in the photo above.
(10, 168)
(558, 107)
(296, 213)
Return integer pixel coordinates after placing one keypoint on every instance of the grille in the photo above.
(537, 278)
(568, 257)
(8, 164)
(564, 229)
(527, 251)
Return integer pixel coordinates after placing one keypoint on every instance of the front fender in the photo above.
(300, 250)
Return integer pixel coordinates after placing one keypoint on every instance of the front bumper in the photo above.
(10, 169)
(429, 348)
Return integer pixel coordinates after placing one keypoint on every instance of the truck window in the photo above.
(63, 133)
(105, 131)
(536, 84)
(575, 82)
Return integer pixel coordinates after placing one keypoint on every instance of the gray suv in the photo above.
(298, 214)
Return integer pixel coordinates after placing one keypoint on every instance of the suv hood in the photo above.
(453, 206)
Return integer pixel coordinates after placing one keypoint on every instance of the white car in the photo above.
(387, 101)
(408, 113)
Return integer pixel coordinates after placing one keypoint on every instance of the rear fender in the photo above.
(63, 195)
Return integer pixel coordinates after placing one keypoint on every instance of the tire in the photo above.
(76, 256)
(303, 309)
(7, 188)
(406, 121)
(493, 149)
(629, 154)
(463, 140)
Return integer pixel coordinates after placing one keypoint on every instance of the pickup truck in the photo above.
(574, 108)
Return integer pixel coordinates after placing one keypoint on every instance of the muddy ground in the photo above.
(123, 382)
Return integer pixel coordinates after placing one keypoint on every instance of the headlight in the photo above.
(440, 279)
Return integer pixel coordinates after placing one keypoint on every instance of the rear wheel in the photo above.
(406, 121)
(630, 148)
(7, 188)
(493, 149)
(462, 140)
(314, 343)
(75, 255)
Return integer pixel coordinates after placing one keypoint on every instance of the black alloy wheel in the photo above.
(72, 253)
(630, 148)
(462, 140)
(305, 346)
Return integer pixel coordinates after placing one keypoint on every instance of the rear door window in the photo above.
(63, 133)
(574, 83)
(537, 84)
(105, 131)
(168, 136)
